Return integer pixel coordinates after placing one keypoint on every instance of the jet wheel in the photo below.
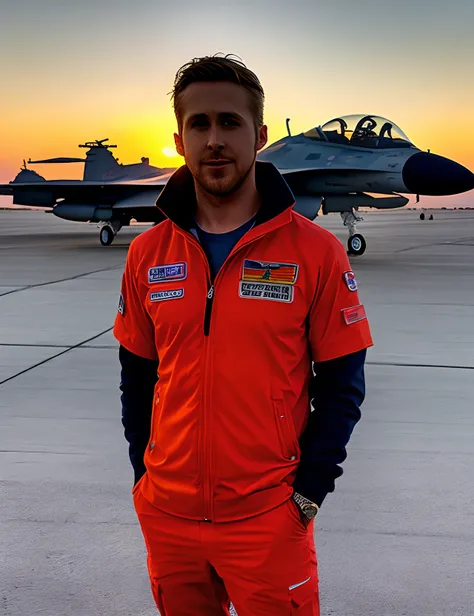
(356, 244)
(106, 235)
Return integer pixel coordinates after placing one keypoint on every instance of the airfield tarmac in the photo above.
(397, 536)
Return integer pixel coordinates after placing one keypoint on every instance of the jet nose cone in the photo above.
(429, 174)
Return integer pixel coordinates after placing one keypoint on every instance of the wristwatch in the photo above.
(308, 508)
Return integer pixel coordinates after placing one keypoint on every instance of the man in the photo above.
(232, 300)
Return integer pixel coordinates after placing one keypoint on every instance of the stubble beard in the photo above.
(226, 191)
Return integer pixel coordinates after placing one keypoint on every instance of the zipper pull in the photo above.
(210, 294)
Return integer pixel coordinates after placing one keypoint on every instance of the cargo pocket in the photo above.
(304, 599)
(158, 596)
(286, 431)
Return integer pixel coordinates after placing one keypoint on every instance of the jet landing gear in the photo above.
(356, 243)
(108, 231)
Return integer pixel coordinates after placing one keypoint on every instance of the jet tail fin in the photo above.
(101, 164)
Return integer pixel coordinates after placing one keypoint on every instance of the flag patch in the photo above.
(265, 290)
(263, 271)
(167, 273)
(354, 314)
(160, 296)
(351, 282)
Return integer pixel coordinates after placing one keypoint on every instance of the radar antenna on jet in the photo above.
(97, 144)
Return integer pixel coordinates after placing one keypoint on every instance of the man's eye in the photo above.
(230, 122)
(198, 123)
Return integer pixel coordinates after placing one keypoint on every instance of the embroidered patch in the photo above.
(167, 273)
(160, 296)
(265, 290)
(121, 305)
(351, 282)
(354, 314)
(280, 273)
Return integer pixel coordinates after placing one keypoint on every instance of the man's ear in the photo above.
(262, 137)
(179, 144)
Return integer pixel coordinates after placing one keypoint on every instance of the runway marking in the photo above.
(55, 346)
(389, 363)
(45, 284)
(57, 453)
(45, 361)
(446, 243)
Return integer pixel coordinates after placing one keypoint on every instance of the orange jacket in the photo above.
(234, 356)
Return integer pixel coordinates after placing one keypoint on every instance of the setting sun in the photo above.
(169, 152)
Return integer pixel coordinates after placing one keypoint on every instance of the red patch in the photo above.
(354, 314)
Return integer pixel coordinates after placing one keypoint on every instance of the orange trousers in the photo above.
(265, 565)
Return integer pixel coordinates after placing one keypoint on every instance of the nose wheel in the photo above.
(106, 235)
(356, 245)
(108, 231)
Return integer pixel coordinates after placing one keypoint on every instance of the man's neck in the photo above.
(223, 214)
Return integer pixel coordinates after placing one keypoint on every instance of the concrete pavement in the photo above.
(397, 536)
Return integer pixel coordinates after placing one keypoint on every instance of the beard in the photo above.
(224, 187)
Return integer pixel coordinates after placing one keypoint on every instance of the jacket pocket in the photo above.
(137, 485)
(286, 431)
(154, 419)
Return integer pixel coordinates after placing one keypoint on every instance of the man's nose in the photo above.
(215, 141)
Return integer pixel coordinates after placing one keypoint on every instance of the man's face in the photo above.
(218, 136)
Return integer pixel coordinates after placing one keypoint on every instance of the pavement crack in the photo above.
(51, 282)
(48, 359)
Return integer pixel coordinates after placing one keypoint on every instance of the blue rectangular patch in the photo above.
(167, 273)
(160, 296)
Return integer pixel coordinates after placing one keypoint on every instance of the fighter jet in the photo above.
(101, 166)
(350, 162)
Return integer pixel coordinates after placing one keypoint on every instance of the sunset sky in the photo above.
(74, 71)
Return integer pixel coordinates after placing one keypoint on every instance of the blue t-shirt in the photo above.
(218, 246)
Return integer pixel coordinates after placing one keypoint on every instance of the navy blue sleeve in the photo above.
(337, 391)
(138, 379)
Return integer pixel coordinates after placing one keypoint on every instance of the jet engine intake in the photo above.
(307, 206)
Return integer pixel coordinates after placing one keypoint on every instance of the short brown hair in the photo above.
(220, 68)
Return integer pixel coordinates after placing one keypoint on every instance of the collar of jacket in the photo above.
(177, 200)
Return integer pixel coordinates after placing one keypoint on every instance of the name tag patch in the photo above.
(354, 314)
(262, 290)
(167, 273)
(160, 296)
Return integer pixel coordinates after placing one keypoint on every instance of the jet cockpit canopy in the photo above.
(363, 131)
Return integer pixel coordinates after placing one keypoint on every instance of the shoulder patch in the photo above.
(121, 305)
(351, 282)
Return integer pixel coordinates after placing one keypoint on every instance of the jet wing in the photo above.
(48, 193)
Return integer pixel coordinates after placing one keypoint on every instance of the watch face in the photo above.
(310, 511)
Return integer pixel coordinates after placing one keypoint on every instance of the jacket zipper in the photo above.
(212, 287)
(206, 456)
(207, 314)
(208, 482)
